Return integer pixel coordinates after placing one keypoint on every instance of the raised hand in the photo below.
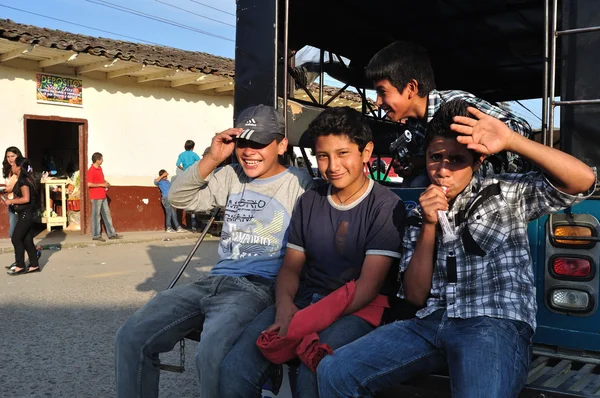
(485, 134)
(223, 144)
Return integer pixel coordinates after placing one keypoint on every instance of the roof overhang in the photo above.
(38, 58)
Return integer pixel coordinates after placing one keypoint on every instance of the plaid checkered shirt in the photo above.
(436, 98)
(500, 282)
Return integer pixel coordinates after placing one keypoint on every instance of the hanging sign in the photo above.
(59, 90)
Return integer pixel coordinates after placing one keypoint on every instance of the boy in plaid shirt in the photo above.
(477, 287)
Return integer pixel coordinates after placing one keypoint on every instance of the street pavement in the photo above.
(58, 326)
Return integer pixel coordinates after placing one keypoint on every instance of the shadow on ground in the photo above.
(168, 260)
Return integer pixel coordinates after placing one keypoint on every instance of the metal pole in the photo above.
(553, 74)
(579, 30)
(285, 65)
(213, 215)
(276, 57)
(578, 102)
(545, 96)
(321, 74)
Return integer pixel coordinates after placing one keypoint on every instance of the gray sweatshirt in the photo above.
(257, 214)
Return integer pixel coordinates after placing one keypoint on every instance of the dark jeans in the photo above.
(22, 239)
(487, 357)
(245, 370)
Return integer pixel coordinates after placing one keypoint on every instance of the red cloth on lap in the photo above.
(302, 340)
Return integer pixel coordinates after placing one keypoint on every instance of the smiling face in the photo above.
(341, 162)
(396, 103)
(10, 157)
(260, 161)
(450, 164)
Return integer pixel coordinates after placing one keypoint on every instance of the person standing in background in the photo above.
(23, 203)
(171, 223)
(185, 160)
(187, 157)
(12, 153)
(98, 187)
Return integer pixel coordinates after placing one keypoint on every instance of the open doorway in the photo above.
(58, 146)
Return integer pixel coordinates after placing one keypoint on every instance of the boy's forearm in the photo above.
(567, 173)
(206, 166)
(418, 274)
(286, 287)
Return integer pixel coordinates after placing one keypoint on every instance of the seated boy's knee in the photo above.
(210, 353)
(325, 368)
(127, 333)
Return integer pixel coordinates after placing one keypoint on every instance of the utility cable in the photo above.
(83, 26)
(158, 19)
(214, 8)
(529, 110)
(191, 12)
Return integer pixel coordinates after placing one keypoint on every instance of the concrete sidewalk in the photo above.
(59, 239)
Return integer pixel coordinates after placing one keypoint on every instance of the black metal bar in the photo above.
(307, 162)
(552, 71)
(275, 58)
(172, 368)
(213, 215)
(545, 97)
(285, 65)
(364, 98)
(577, 102)
(321, 74)
(306, 90)
(578, 30)
(337, 94)
(387, 171)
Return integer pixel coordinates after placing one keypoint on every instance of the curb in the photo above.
(109, 242)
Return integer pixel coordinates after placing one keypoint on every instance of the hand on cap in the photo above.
(223, 144)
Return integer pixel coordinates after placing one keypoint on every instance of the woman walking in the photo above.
(12, 153)
(24, 206)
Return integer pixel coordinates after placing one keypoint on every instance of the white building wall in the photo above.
(139, 129)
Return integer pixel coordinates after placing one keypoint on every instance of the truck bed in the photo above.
(554, 373)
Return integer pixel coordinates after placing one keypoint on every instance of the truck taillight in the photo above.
(570, 300)
(574, 231)
(572, 267)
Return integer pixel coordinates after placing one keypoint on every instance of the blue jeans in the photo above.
(245, 370)
(12, 221)
(100, 208)
(486, 357)
(221, 305)
(170, 215)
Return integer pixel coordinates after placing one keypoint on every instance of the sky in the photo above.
(194, 25)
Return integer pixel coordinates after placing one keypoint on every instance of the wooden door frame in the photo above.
(83, 157)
